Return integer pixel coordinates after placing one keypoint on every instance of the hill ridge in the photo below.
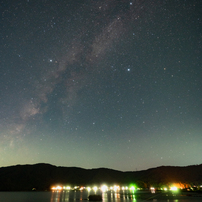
(42, 176)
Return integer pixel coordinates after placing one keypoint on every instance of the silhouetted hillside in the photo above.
(42, 176)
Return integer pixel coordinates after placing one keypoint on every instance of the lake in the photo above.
(67, 196)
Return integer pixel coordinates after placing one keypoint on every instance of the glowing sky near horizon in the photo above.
(113, 84)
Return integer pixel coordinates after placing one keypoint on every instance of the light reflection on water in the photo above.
(81, 196)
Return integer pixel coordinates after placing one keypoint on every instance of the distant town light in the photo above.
(95, 188)
(132, 188)
(88, 188)
(104, 188)
(57, 188)
(116, 188)
(173, 188)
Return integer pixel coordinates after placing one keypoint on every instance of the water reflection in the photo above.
(121, 197)
(55, 197)
(110, 196)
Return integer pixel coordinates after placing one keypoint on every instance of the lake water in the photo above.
(78, 196)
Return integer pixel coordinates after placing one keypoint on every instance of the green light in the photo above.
(132, 187)
(134, 199)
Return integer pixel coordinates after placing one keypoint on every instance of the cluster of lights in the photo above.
(173, 188)
(165, 189)
(104, 188)
(58, 188)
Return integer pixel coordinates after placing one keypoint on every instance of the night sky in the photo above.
(109, 83)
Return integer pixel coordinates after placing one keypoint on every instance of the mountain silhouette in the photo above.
(42, 176)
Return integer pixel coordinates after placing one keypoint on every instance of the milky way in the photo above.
(112, 84)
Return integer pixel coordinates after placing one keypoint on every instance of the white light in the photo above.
(173, 188)
(116, 188)
(58, 188)
(95, 188)
(104, 188)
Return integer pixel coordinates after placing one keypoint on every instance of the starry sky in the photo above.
(111, 83)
